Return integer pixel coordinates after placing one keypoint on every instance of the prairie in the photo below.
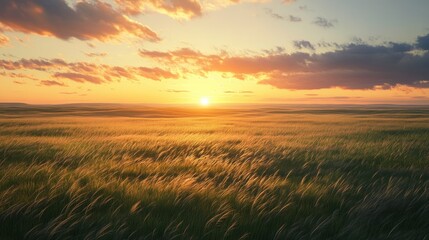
(170, 172)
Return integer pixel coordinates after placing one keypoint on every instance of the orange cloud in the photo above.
(52, 83)
(85, 21)
(82, 72)
(352, 66)
(174, 8)
(78, 77)
(3, 40)
(183, 9)
(153, 73)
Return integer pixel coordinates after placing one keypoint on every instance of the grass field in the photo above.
(267, 172)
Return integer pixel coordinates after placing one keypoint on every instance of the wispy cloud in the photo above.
(289, 1)
(272, 14)
(52, 83)
(19, 82)
(325, 23)
(239, 92)
(176, 91)
(290, 18)
(3, 39)
(78, 77)
(103, 54)
(175, 8)
(303, 45)
(68, 93)
(82, 72)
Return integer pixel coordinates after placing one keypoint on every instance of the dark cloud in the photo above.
(84, 21)
(401, 47)
(303, 45)
(325, 23)
(357, 67)
(423, 42)
(324, 44)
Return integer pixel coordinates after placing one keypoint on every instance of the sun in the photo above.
(204, 101)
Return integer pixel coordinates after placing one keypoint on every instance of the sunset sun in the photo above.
(204, 101)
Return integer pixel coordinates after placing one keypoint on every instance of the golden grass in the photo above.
(247, 176)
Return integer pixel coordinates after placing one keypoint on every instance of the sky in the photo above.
(229, 51)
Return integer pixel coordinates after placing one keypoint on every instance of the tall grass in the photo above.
(270, 176)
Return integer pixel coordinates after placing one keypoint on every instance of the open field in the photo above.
(268, 172)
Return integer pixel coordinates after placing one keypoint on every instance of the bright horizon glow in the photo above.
(204, 101)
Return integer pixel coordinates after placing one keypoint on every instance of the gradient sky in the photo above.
(176, 51)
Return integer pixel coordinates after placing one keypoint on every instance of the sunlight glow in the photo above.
(204, 101)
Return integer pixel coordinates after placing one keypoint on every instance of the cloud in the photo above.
(423, 42)
(52, 83)
(272, 14)
(19, 82)
(325, 23)
(357, 67)
(176, 91)
(18, 75)
(154, 73)
(174, 8)
(292, 18)
(179, 9)
(303, 8)
(349, 66)
(103, 54)
(84, 21)
(82, 72)
(303, 45)
(3, 40)
(78, 77)
(240, 92)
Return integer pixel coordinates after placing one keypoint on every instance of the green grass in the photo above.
(96, 172)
